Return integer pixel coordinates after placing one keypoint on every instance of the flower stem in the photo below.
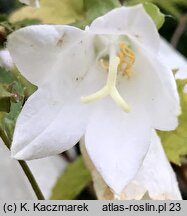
(4, 138)
(31, 179)
(25, 168)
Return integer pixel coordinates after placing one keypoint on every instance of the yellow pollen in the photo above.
(127, 57)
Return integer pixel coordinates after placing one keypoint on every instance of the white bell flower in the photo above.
(32, 3)
(155, 177)
(117, 58)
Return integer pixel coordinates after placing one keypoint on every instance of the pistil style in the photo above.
(110, 87)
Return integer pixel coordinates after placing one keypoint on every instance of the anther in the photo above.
(127, 57)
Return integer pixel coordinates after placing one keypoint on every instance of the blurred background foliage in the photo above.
(14, 89)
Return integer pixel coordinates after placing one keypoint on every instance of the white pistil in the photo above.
(119, 100)
(96, 96)
(110, 87)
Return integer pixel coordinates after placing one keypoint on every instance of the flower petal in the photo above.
(58, 116)
(133, 21)
(173, 59)
(153, 85)
(47, 127)
(117, 143)
(38, 50)
(155, 176)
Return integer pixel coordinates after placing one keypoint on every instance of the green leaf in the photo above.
(155, 13)
(94, 9)
(52, 12)
(5, 105)
(6, 77)
(5, 98)
(175, 142)
(72, 182)
(4, 92)
(8, 120)
(175, 8)
(28, 87)
(14, 90)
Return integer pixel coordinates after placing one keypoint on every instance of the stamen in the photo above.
(110, 87)
(126, 56)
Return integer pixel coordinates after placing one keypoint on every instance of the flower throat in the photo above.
(121, 62)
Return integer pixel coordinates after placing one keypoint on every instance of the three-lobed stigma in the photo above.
(124, 60)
